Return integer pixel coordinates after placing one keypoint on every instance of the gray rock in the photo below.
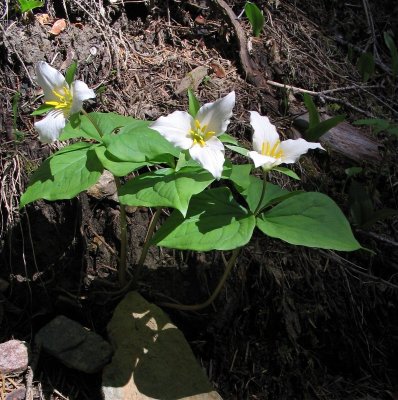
(104, 188)
(74, 345)
(13, 357)
(152, 359)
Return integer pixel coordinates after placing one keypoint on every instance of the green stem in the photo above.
(145, 247)
(258, 208)
(123, 221)
(196, 307)
(123, 238)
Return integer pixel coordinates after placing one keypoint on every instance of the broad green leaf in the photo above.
(64, 175)
(215, 221)
(142, 145)
(70, 73)
(313, 114)
(388, 40)
(42, 109)
(366, 66)
(238, 149)
(115, 166)
(193, 103)
(107, 123)
(252, 193)
(239, 175)
(225, 138)
(309, 219)
(314, 133)
(287, 171)
(255, 16)
(165, 188)
(28, 5)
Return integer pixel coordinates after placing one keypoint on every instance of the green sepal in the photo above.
(42, 109)
(194, 104)
(70, 73)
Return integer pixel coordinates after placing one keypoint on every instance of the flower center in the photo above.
(64, 99)
(274, 151)
(200, 134)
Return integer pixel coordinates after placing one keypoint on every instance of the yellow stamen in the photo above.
(64, 101)
(274, 152)
(200, 134)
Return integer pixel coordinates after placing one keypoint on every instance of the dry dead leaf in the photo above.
(44, 19)
(200, 20)
(192, 79)
(218, 69)
(58, 27)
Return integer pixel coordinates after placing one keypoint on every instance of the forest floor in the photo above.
(291, 322)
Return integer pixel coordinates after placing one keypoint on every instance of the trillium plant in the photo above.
(184, 153)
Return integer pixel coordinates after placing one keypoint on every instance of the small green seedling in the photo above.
(379, 125)
(388, 40)
(366, 66)
(29, 5)
(256, 18)
(316, 127)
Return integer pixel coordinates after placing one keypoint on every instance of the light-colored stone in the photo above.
(152, 359)
(104, 188)
(13, 357)
(74, 345)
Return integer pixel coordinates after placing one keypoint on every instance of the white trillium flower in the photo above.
(66, 100)
(269, 151)
(199, 135)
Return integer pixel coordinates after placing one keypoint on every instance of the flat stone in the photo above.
(152, 359)
(73, 345)
(104, 188)
(13, 357)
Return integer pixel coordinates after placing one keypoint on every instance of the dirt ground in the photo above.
(292, 322)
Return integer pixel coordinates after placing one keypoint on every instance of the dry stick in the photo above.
(196, 307)
(324, 96)
(253, 74)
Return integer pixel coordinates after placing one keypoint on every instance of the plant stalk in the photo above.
(145, 247)
(123, 238)
(258, 208)
(196, 307)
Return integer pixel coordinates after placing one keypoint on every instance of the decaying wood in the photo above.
(344, 139)
(349, 141)
(253, 74)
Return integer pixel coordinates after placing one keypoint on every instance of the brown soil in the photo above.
(292, 322)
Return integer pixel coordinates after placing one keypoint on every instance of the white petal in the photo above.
(264, 131)
(216, 115)
(49, 79)
(293, 149)
(80, 92)
(50, 127)
(263, 161)
(210, 157)
(175, 128)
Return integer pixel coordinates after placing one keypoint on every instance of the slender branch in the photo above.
(196, 307)
(149, 234)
